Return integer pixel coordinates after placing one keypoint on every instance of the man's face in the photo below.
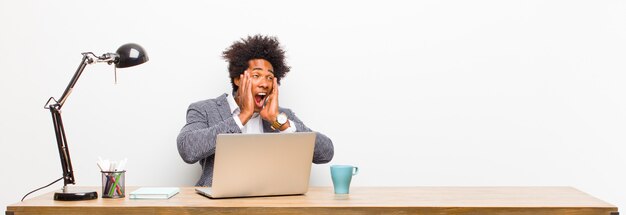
(262, 78)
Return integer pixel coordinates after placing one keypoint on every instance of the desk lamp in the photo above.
(126, 56)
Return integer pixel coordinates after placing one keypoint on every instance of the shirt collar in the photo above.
(230, 98)
(234, 108)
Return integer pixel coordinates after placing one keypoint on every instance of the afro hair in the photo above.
(255, 47)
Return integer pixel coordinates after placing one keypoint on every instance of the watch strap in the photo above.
(276, 125)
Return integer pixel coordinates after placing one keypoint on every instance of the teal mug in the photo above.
(342, 176)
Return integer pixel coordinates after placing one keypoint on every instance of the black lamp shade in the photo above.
(131, 54)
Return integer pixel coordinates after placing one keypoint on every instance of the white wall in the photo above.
(428, 93)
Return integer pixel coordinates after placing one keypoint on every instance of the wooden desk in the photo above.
(362, 200)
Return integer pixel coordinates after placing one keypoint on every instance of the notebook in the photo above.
(154, 193)
(261, 165)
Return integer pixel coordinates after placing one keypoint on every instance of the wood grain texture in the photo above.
(362, 200)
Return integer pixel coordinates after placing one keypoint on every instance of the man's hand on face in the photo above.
(245, 99)
(270, 109)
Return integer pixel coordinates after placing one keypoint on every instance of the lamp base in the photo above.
(75, 195)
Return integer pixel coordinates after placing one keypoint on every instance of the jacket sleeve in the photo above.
(196, 139)
(324, 149)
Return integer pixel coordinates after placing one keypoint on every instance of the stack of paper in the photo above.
(154, 193)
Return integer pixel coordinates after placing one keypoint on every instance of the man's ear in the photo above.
(237, 81)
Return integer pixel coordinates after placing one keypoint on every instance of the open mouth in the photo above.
(259, 99)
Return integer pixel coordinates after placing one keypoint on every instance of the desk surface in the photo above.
(321, 200)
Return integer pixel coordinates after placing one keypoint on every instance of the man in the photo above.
(256, 66)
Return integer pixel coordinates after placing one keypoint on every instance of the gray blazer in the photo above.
(207, 118)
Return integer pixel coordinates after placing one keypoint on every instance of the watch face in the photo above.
(281, 118)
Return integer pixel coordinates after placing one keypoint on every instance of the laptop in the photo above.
(266, 164)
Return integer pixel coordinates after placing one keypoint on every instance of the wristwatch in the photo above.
(281, 119)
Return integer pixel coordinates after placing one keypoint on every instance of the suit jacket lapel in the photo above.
(267, 127)
(223, 107)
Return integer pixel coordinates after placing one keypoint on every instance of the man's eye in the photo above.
(255, 76)
(270, 78)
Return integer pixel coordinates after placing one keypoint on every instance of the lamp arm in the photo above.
(55, 110)
(88, 58)
(68, 90)
(64, 152)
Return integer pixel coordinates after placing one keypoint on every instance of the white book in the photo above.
(154, 193)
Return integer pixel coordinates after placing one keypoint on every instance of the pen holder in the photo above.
(113, 184)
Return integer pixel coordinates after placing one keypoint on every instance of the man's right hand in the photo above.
(245, 99)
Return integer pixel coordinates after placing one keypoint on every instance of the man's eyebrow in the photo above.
(259, 68)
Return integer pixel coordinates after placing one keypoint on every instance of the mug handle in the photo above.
(355, 170)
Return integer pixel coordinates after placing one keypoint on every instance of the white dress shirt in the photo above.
(255, 123)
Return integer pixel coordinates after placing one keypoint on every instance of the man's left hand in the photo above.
(270, 109)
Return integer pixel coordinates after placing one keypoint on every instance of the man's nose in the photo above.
(265, 83)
